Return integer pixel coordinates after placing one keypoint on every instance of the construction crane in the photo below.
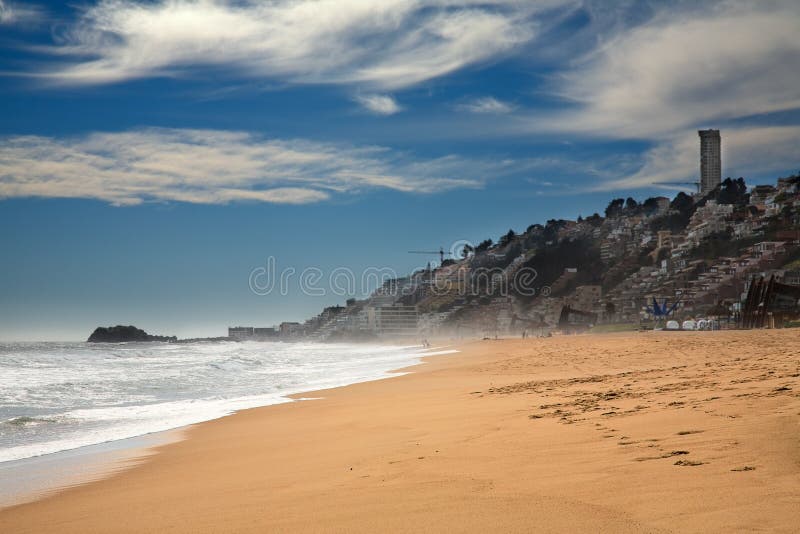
(440, 252)
(696, 184)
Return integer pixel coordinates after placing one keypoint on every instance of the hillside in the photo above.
(699, 252)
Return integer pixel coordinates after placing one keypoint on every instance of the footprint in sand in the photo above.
(665, 455)
(688, 463)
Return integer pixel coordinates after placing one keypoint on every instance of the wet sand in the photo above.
(34, 478)
(641, 432)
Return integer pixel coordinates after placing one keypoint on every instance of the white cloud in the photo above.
(660, 77)
(19, 14)
(682, 68)
(656, 73)
(745, 151)
(212, 166)
(384, 44)
(379, 104)
(486, 104)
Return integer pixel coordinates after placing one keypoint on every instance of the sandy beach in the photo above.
(640, 432)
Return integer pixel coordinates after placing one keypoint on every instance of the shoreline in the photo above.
(37, 477)
(50, 473)
(626, 432)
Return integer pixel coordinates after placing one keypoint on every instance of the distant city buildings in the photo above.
(290, 329)
(240, 332)
(243, 333)
(710, 160)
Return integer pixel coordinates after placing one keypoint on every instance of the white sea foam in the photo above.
(60, 396)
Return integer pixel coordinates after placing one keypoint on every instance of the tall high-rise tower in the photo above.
(710, 160)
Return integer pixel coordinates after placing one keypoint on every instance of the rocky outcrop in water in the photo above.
(122, 334)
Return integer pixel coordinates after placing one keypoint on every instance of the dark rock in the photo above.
(121, 334)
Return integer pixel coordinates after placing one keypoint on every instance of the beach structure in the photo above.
(663, 309)
(769, 303)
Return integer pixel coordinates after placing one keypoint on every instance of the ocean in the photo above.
(62, 396)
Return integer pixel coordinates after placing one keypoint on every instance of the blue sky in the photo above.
(152, 154)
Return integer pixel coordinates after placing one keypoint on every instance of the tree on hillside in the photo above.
(594, 219)
(650, 205)
(549, 263)
(552, 227)
(645, 259)
(682, 208)
(483, 246)
(614, 208)
(508, 238)
(682, 203)
(733, 192)
(721, 244)
(534, 228)
(728, 192)
(631, 204)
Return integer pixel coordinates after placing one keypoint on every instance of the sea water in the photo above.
(61, 396)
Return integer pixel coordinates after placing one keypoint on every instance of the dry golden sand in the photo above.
(650, 432)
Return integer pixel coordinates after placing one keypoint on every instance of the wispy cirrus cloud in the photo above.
(214, 166)
(655, 71)
(19, 14)
(684, 67)
(387, 44)
(486, 105)
(379, 104)
(727, 64)
(746, 150)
